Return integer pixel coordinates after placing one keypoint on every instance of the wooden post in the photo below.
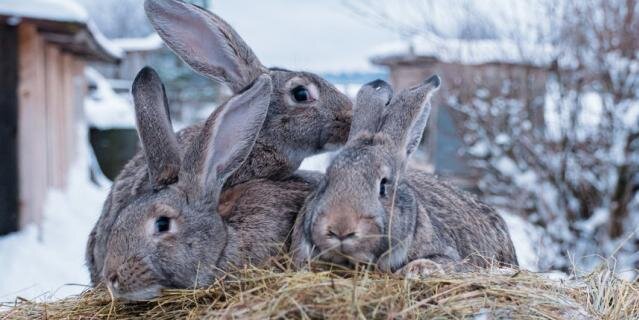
(9, 190)
(32, 143)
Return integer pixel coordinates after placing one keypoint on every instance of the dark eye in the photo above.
(301, 94)
(162, 224)
(382, 187)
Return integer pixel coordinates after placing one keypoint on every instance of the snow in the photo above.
(318, 162)
(104, 108)
(600, 217)
(47, 261)
(148, 43)
(56, 10)
(526, 238)
(469, 52)
(103, 42)
(349, 89)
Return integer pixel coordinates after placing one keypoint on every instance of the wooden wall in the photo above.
(8, 129)
(51, 84)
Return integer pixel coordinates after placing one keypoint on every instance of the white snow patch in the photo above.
(600, 217)
(104, 108)
(47, 261)
(592, 104)
(56, 10)
(148, 43)
(524, 236)
(349, 89)
(318, 162)
(479, 149)
(502, 138)
(469, 52)
(506, 166)
(103, 42)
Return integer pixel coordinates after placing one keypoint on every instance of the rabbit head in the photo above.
(306, 115)
(171, 236)
(349, 219)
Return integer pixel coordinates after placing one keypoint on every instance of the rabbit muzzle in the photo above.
(335, 133)
(132, 280)
(346, 238)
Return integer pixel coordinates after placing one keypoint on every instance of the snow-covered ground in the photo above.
(47, 261)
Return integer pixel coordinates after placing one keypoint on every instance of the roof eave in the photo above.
(74, 37)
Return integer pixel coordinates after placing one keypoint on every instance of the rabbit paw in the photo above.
(421, 268)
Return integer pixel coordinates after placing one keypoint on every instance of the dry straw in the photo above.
(279, 292)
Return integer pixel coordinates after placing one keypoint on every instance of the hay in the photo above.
(278, 292)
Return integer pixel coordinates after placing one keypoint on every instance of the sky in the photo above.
(321, 36)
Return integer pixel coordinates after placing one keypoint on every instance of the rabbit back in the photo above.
(460, 221)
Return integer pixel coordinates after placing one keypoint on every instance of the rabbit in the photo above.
(307, 115)
(371, 209)
(161, 228)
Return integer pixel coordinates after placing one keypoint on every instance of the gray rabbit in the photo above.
(371, 208)
(165, 232)
(306, 115)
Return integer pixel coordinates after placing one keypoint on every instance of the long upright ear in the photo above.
(408, 113)
(154, 128)
(370, 102)
(205, 42)
(226, 140)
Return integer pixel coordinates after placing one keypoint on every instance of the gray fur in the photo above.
(370, 102)
(158, 140)
(136, 260)
(292, 131)
(347, 219)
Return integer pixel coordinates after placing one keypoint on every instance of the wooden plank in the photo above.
(80, 135)
(69, 113)
(32, 143)
(55, 116)
(9, 189)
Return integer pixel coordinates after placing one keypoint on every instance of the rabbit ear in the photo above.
(371, 100)
(205, 42)
(226, 140)
(154, 128)
(408, 113)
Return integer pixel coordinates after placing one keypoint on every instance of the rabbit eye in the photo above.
(162, 224)
(301, 94)
(382, 187)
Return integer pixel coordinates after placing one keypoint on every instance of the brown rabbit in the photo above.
(166, 233)
(372, 209)
(307, 115)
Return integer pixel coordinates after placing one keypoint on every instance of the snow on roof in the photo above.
(103, 42)
(104, 108)
(63, 11)
(55, 10)
(148, 43)
(471, 52)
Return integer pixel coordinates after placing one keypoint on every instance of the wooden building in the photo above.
(45, 46)
(465, 66)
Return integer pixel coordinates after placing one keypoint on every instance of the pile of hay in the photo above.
(277, 292)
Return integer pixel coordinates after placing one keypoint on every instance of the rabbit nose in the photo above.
(341, 236)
